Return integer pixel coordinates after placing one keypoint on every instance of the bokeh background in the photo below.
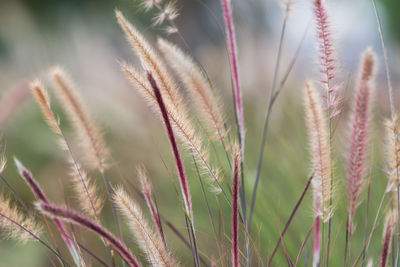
(84, 38)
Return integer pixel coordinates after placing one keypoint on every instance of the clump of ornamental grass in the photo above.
(160, 89)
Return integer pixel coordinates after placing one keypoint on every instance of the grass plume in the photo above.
(318, 136)
(197, 85)
(92, 145)
(357, 161)
(150, 242)
(9, 212)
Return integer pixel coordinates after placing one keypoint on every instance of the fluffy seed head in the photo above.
(318, 136)
(167, 13)
(10, 216)
(196, 84)
(86, 192)
(43, 100)
(92, 147)
(357, 162)
(147, 239)
(148, 4)
(393, 149)
(152, 62)
(179, 120)
(327, 57)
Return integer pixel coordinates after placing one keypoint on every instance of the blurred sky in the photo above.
(84, 37)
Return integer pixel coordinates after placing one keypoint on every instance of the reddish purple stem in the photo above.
(79, 219)
(39, 194)
(154, 214)
(317, 248)
(235, 191)
(177, 157)
(387, 238)
(232, 47)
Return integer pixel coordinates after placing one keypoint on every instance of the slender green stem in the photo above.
(266, 122)
(296, 207)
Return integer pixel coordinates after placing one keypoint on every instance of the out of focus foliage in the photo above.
(392, 11)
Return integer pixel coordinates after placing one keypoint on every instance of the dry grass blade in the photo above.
(148, 240)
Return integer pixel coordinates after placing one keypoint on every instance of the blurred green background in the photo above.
(84, 37)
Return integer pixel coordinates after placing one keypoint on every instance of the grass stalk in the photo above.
(292, 214)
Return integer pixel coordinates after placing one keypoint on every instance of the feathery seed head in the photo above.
(43, 100)
(153, 63)
(393, 149)
(318, 136)
(167, 13)
(147, 239)
(327, 57)
(148, 4)
(142, 174)
(92, 145)
(86, 191)
(357, 161)
(173, 101)
(197, 85)
(11, 216)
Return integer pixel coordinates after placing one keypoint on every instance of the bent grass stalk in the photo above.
(39, 194)
(74, 217)
(177, 157)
